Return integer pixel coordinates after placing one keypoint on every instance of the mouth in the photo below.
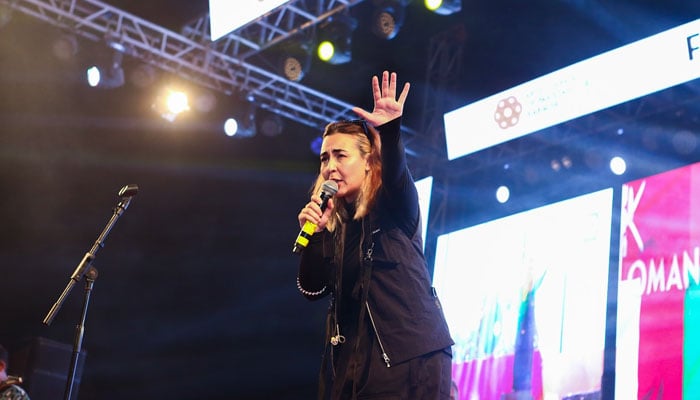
(340, 183)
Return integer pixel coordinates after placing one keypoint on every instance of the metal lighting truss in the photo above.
(191, 55)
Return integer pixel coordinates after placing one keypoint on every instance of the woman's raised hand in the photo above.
(386, 106)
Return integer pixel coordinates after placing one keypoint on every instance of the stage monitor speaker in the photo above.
(43, 365)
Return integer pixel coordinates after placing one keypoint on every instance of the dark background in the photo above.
(196, 293)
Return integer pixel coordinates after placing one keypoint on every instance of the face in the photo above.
(342, 162)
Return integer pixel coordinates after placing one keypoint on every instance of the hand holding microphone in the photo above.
(311, 217)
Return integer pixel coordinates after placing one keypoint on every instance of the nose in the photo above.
(332, 165)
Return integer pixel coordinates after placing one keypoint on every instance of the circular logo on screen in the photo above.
(508, 112)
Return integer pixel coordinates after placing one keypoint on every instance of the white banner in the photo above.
(649, 65)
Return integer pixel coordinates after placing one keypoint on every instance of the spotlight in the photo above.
(295, 60)
(387, 18)
(171, 103)
(107, 75)
(444, 7)
(242, 123)
(618, 165)
(335, 39)
(502, 194)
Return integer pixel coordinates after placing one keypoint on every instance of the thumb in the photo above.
(362, 113)
(329, 208)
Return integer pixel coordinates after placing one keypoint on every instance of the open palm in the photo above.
(386, 106)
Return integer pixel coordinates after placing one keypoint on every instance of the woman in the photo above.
(386, 334)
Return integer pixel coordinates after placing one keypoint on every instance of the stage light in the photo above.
(295, 60)
(177, 102)
(387, 18)
(107, 75)
(230, 127)
(502, 194)
(335, 39)
(618, 165)
(444, 7)
(242, 122)
(171, 103)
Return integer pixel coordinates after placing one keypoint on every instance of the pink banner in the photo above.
(656, 242)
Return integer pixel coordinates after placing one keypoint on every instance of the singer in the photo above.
(386, 336)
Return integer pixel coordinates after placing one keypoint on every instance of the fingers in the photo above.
(392, 85)
(386, 86)
(376, 91)
(386, 104)
(404, 93)
(361, 113)
(312, 213)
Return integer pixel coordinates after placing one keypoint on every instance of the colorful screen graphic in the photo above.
(658, 311)
(525, 298)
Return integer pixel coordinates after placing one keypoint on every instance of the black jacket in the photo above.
(404, 309)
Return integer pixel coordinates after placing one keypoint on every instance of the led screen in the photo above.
(226, 16)
(525, 298)
(424, 187)
(658, 318)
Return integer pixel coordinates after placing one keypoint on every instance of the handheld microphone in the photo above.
(126, 193)
(129, 190)
(328, 190)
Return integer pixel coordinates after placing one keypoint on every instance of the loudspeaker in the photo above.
(43, 365)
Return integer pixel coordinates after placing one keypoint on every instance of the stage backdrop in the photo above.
(658, 318)
(525, 298)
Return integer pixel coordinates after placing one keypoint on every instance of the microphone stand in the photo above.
(90, 277)
(86, 269)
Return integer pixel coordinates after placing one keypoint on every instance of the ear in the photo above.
(3, 365)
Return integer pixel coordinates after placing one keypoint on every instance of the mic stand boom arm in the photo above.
(87, 260)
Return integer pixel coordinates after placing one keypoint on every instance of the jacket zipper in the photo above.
(379, 340)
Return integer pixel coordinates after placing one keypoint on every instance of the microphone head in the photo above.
(330, 188)
(129, 190)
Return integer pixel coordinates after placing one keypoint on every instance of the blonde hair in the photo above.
(369, 145)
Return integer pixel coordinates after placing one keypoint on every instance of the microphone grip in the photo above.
(309, 228)
(302, 241)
